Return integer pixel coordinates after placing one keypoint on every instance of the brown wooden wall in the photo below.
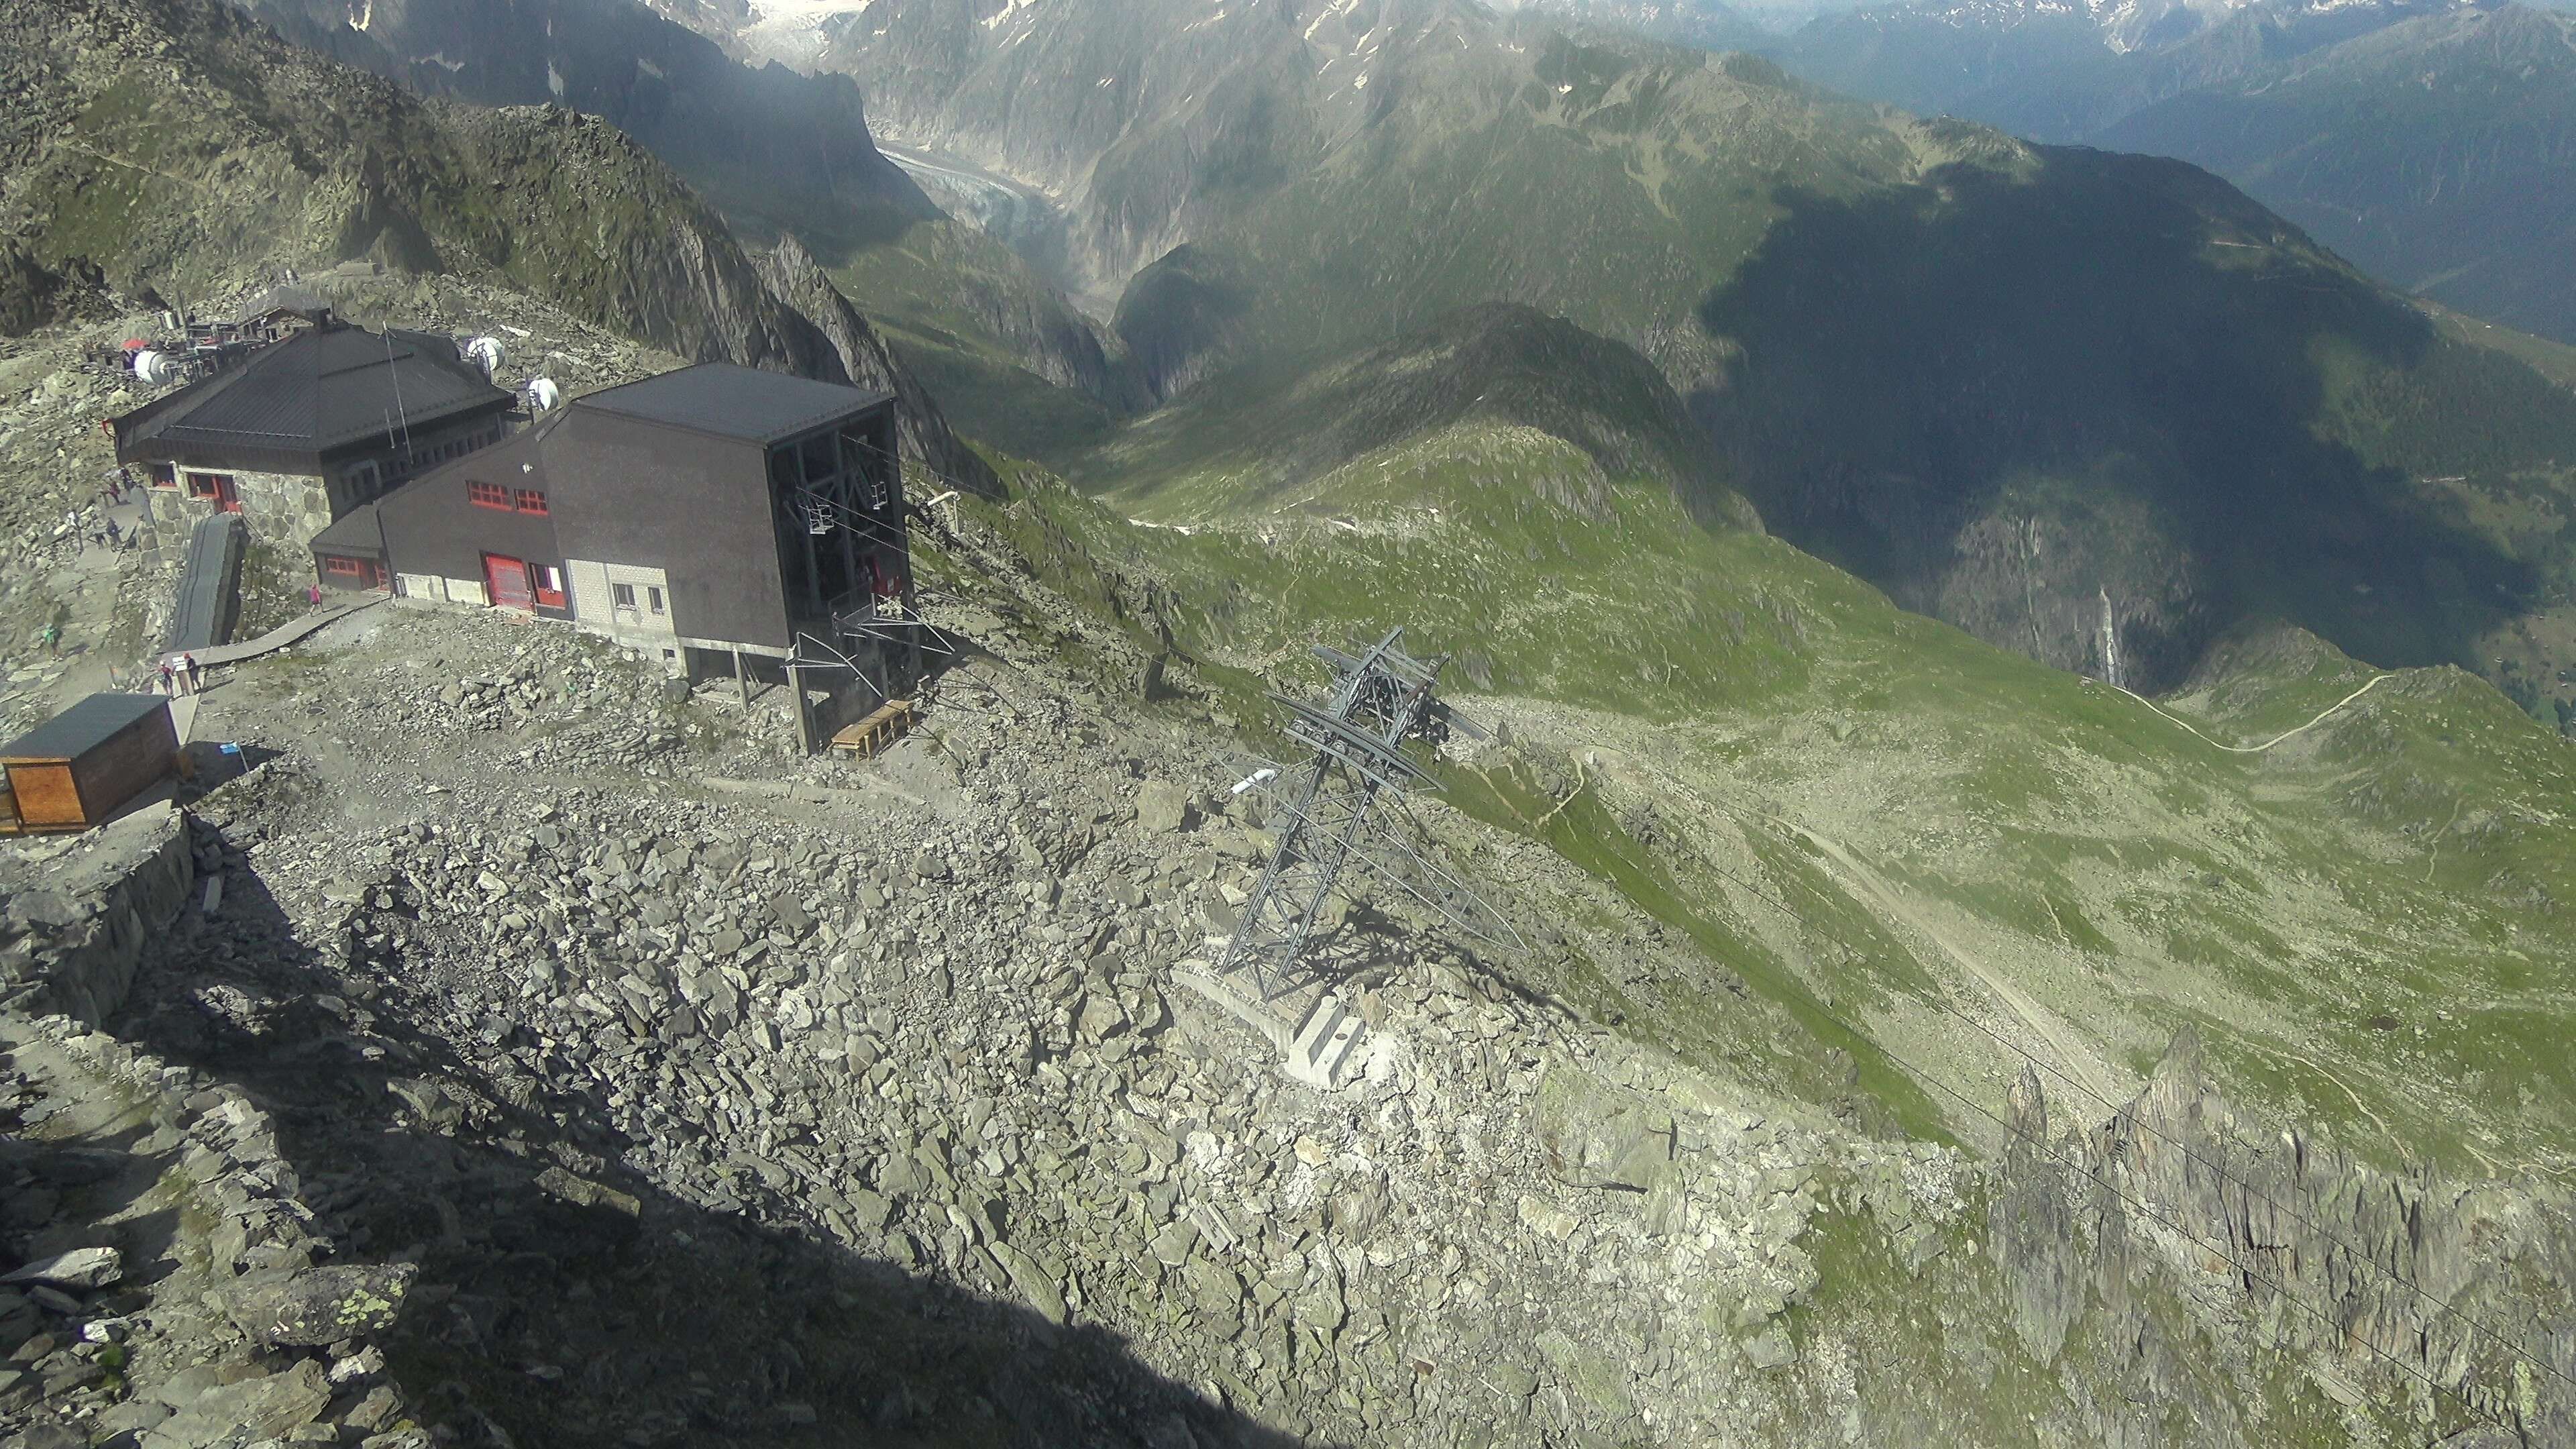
(126, 763)
(47, 794)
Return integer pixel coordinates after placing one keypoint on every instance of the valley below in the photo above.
(2018, 820)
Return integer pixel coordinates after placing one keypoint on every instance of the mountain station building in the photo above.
(718, 519)
(294, 434)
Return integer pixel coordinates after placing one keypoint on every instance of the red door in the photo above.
(227, 497)
(506, 579)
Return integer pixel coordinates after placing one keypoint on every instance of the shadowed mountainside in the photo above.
(2237, 426)
(2429, 143)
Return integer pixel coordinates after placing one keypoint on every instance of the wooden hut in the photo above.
(76, 769)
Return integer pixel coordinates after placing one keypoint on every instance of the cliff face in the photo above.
(2383, 1285)
(765, 141)
(182, 150)
(791, 273)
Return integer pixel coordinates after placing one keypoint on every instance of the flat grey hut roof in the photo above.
(734, 402)
(83, 727)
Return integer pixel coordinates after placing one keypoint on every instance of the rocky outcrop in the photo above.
(2033, 1225)
(2377, 1283)
(280, 158)
(78, 914)
(199, 1313)
(760, 140)
(792, 274)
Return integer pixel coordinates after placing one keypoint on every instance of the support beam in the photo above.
(804, 711)
(741, 679)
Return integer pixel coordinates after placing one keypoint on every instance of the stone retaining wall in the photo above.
(75, 913)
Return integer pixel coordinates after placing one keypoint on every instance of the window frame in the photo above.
(531, 501)
(494, 496)
(335, 564)
(622, 596)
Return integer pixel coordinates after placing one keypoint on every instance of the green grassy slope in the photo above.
(1278, 436)
(1873, 823)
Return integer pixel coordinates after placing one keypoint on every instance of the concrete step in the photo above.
(1324, 1042)
(1317, 1050)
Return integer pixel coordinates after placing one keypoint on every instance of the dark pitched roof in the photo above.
(82, 727)
(321, 389)
(733, 402)
(360, 531)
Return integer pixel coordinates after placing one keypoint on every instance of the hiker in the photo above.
(188, 671)
(314, 592)
(169, 685)
(115, 539)
(54, 640)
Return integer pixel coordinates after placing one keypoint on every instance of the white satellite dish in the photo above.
(155, 368)
(483, 352)
(542, 394)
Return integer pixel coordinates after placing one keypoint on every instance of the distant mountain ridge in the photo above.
(2001, 381)
(777, 150)
(2431, 141)
(769, 141)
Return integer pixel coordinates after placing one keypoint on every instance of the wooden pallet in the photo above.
(881, 728)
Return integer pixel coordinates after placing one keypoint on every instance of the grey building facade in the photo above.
(296, 434)
(719, 519)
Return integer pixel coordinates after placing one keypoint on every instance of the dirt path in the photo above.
(2075, 1058)
(2322, 716)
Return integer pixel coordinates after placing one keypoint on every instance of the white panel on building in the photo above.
(466, 591)
(639, 600)
(427, 587)
(589, 591)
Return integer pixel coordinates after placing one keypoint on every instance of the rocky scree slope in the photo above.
(182, 151)
(822, 1104)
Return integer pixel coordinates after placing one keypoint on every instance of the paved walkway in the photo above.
(287, 633)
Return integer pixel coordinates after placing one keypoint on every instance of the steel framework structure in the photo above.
(1381, 698)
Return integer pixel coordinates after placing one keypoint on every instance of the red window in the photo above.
(487, 495)
(531, 501)
(547, 580)
(163, 475)
(334, 564)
